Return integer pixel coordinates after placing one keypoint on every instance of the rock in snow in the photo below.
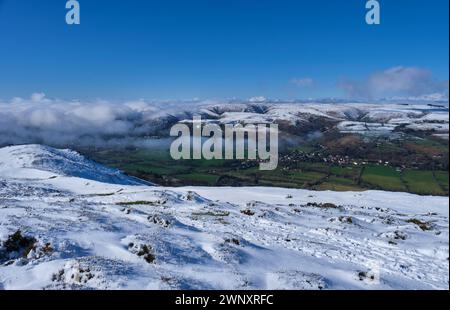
(69, 223)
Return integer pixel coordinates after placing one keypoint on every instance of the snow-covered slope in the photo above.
(293, 112)
(78, 233)
(37, 160)
(301, 117)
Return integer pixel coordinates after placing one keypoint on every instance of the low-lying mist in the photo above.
(99, 124)
(84, 124)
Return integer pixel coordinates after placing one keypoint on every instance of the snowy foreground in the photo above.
(84, 226)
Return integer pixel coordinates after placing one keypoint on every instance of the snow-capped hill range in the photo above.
(337, 111)
(298, 116)
(132, 123)
(46, 162)
(66, 232)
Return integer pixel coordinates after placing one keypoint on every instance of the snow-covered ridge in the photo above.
(380, 117)
(59, 163)
(68, 232)
(336, 111)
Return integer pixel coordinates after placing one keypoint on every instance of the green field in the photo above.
(346, 172)
(422, 182)
(159, 167)
(383, 177)
(442, 179)
(199, 178)
(336, 183)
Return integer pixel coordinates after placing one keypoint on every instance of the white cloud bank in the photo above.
(97, 123)
(396, 81)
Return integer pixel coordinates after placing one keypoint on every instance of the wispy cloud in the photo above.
(257, 99)
(396, 81)
(303, 82)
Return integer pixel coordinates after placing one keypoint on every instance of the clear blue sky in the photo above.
(171, 49)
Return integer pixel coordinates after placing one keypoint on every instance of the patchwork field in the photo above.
(158, 167)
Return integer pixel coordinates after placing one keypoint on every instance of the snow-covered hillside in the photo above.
(30, 160)
(421, 116)
(68, 223)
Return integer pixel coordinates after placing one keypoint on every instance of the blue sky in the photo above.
(218, 49)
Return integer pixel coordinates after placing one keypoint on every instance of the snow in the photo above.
(46, 161)
(382, 118)
(124, 235)
(361, 127)
(429, 126)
